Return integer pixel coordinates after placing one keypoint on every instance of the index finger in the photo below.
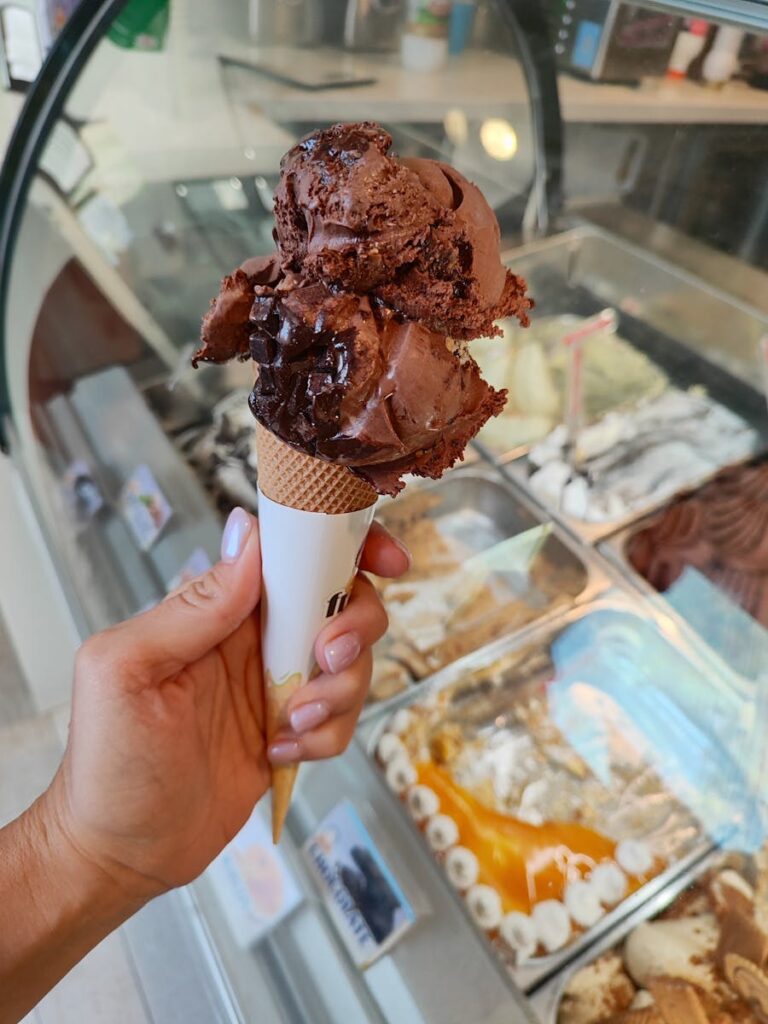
(383, 554)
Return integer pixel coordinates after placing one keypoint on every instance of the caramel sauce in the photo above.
(525, 863)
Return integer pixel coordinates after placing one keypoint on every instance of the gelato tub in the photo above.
(630, 462)
(705, 552)
(483, 567)
(702, 958)
(559, 779)
(532, 364)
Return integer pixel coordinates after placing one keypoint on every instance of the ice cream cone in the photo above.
(296, 481)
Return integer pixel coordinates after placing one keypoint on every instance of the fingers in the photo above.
(324, 714)
(383, 554)
(190, 622)
(362, 623)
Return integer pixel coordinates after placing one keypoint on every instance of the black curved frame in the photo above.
(44, 103)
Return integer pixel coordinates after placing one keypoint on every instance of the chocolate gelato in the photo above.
(721, 531)
(384, 268)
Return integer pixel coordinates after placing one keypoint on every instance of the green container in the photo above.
(141, 25)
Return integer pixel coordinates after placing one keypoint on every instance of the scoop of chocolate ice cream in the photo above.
(413, 232)
(384, 268)
(226, 330)
(345, 378)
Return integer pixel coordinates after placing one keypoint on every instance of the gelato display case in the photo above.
(560, 771)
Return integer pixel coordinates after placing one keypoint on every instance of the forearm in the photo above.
(54, 908)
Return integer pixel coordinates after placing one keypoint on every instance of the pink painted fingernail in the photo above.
(284, 752)
(341, 652)
(309, 716)
(235, 534)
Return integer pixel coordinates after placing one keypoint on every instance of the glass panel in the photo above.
(156, 181)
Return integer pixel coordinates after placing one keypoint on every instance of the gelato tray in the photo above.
(223, 454)
(631, 462)
(532, 364)
(707, 554)
(687, 404)
(483, 566)
(696, 955)
(563, 778)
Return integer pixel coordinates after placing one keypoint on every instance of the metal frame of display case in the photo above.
(44, 103)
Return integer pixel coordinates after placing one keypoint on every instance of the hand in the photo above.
(167, 754)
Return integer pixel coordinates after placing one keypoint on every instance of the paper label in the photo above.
(255, 887)
(144, 507)
(365, 902)
(309, 561)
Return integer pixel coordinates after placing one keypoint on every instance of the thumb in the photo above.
(197, 617)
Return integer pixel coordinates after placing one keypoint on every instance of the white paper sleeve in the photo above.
(309, 561)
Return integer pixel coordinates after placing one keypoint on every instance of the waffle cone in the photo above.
(283, 776)
(298, 481)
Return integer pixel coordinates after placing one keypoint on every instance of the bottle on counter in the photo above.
(424, 43)
(722, 61)
(462, 22)
(689, 43)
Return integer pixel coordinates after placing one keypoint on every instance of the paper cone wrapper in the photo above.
(314, 518)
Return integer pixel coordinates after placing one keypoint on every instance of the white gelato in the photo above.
(630, 461)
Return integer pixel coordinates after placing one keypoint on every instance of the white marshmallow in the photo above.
(389, 747)
(609, 882)
(400, 775)
(552, 923)
(462, 867)
(583, 903)
(423, 802)
(442, 833)
(485, 906)
(519, 933)
(634, 856)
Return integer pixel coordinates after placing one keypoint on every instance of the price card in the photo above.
(144, 507)
(255, 887)
(367, 906)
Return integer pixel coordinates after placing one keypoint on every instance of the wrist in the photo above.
(65, 882)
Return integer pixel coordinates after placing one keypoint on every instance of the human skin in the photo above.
(167, 757)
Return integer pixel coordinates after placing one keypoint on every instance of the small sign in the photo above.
(145, 507)
(255, 887)
(82, 493)
(197, 563)
(365, 902)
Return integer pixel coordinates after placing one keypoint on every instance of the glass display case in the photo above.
(552, 758)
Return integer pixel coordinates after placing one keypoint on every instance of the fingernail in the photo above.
(235, 533)
(401, 547)
(309, 716)
(285, 752)
(341, 652)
